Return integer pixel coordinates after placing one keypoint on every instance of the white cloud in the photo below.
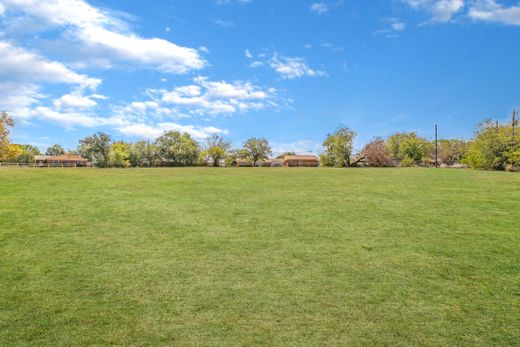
(74, 101)
(153, 131)
(224, 23)
(332, 47)
(67, 119)
(108, 36)
(256, 64)
(392, 27)
(19, 64)
(229, 2)
(299, 147)
(248, 54)
(291, 68)
(19, 97)
(399, 26)
(490, 11)
(213, 98)
(2, 10)
(440, 10)
(319, 7)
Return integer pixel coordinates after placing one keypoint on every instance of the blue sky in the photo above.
(290, 71)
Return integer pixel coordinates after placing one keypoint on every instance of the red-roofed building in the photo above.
(64, 160)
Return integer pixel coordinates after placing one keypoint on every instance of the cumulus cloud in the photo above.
(491, 11)
(147, 131)
(206, 97)
(19, 64)
(108, 36)
(299, 147)
(291, 68)
(19, 97)
(77, 101)
(69, 118)
(441, 10)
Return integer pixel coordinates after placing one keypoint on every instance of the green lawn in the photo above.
(199, 256)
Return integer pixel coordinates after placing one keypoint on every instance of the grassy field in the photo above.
(156, 257)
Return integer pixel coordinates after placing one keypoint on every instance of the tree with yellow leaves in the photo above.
(6, 122)
(13, 152)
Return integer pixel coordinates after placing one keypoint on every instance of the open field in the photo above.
(259, 257)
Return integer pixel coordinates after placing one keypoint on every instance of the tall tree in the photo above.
(409, 148)
(216, 149)
(120, 154)
(339, 149)
(55, 150)
(143, 154)
(13, 152)
(28, 153)
(96, 148)
(6, 122)
(491, 148)
(178, 149)
(256, 149)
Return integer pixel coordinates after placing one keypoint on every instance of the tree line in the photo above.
(494, 147)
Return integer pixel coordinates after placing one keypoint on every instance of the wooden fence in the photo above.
(31, 165)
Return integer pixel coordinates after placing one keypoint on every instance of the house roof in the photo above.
(66, 157)
(41, 157)
(300, 157)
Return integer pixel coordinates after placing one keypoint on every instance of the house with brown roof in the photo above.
(64, 160)
(301, 160)
(287, 161)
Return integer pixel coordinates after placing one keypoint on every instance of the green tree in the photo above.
(409, 148)
(28, 153)
(120, 154)
(55, 150)
(6, 122)
(493, 148)
(143, 154)
(216, 149)
(256, 149)
(178, 149)
(339, 149)
(96, 148)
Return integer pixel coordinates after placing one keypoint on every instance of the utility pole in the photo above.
(515, 114)
(436, 148)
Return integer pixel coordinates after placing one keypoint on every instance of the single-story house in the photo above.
(301, 161)
(64, 160)
(260, 163)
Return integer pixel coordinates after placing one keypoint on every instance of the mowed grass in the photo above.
(244, 257)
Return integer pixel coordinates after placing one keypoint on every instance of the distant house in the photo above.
(260, 163)
(64, 160)
(301, 161)
(288, 161)
(242, 163)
